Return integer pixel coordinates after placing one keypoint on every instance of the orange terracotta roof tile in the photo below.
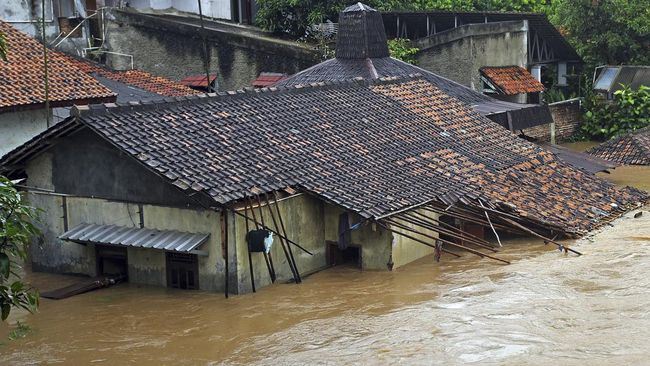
(138, 78)
(511, 80)
(198, 81)
(22, 77)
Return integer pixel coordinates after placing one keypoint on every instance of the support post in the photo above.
(45, 75)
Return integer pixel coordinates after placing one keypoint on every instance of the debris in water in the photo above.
(638, 214)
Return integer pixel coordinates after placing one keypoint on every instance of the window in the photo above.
(182, 271)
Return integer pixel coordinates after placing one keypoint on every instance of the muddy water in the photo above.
(544, 308)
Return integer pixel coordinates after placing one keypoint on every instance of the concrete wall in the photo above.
(567, 117)
(219, 9)
(17, 128)
(145, 266)
(459, 53)
(175, 50)
(25, 15)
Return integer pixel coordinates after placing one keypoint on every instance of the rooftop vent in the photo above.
(361, 33)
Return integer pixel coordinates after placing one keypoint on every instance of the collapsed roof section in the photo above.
(22, 77)
(377, 148)
(633, 148)
(349, 64)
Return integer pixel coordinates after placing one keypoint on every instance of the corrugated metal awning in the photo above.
(134, 237)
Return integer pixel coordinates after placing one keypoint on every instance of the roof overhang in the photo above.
(169, 240)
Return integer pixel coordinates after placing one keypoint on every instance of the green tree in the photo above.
(16, 231)
(629, 111)
(400, 48)
(3, 47)
(605, 31)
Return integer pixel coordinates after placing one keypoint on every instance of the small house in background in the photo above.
(267, 79)
(201, 82)
(511, 83)
(608, 79)
(632, 148)
(23, 111)
(458, 44)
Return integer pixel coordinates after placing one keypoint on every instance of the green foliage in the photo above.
(21, 331)
(16, 231)
(294, 16)
(629, 111)
(605, 31)
(3, 47)
(556, 94)
(400, 48)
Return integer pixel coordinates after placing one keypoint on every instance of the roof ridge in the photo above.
(100, 109)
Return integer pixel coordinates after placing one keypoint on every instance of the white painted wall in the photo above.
(17, 128)
(219, 9)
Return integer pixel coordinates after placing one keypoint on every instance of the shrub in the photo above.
(400, 48)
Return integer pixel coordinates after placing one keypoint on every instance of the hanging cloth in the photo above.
(345, 235)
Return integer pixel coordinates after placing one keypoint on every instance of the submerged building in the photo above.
(234, 191)
(632, 148)
(172, 192)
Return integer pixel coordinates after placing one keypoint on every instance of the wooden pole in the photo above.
(404, 227)
(45, 67)
(444, 231)
(266, 258)
(250, 260)
(490, 222)
(562, 247)
(225, 239)
(417, 240)
(284, 249)
(462, 233)
(259, 205)
(206, 60)
(284, 232)
(276, 233)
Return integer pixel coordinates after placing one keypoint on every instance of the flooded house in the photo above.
(632, 148)
(238, 190)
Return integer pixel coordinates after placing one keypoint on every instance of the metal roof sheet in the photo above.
(176, 241)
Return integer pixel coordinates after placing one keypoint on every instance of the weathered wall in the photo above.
(175, 50)
(303, 219)
(17, 128)
(100, 170)
(406, 250)
(567, 117)
(146, 266)
(459, 53)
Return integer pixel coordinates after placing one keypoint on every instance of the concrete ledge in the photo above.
(470, 30)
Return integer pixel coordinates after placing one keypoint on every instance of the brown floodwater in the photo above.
(544, 308)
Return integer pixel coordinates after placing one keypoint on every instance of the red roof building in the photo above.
(510, 80)
(22, 77)
(267, 79)
(199, 81)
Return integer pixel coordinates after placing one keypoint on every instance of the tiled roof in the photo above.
(198, 81)
(630, 149)
(337, 69)
(510, 80)
(21, 77)
(371, 147)
(137, 78)
(267, 79)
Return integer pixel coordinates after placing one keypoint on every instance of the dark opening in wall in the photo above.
(351, 256)
(182, 271)
(111, 261)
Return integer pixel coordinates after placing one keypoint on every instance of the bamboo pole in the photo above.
(480, 254)
(45, 67)
(452, 227)
(490, 222)
(268, 255)
(562, 247)
(284, 231)
(225, 239)
(266, 258)
(463, 235)
(250, 260)
(417, 240)
(284, 249)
